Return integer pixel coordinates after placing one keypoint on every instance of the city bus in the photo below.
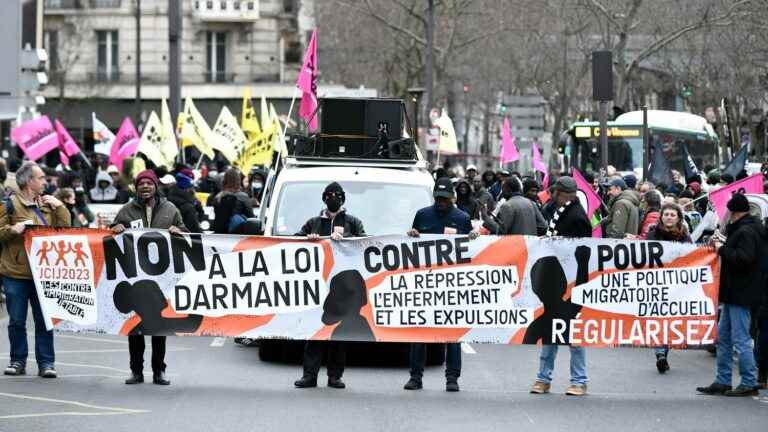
(580, 144)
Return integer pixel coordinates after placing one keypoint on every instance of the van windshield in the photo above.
(384, 208)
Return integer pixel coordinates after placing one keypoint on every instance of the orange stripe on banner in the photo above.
(231, 325)
(129, 325)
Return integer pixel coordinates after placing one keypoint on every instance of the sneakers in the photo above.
(413, 384)
(135, 378)
(743, 390)
(576, 390)
(451, 385)
(47, 372)
(336, 382)
(307, 381)
(539, 387)
(160, 379)
(714, 389)
(15, 368)
(662, 365)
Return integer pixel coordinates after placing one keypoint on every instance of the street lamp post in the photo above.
(416, 93)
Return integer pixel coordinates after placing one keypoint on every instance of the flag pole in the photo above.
(287, 121)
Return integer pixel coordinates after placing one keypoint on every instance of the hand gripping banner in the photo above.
(435, 288)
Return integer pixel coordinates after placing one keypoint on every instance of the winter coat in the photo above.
(227, 205)
(431, 220)
(189, 207)
(657, 232)
(107, 195)
(624, 215)
(741, 278)
(571, 222)
(13, 256)
(518, 215)
(649, 220)
(323, 225)
(164, 215)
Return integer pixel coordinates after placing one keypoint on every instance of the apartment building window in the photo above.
(107, 55)
(105, 4)
(51, 46)
(216, 53)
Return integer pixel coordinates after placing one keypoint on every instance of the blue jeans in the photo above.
(19, 294)
(418, 358)
(578, 364)
(733, 332)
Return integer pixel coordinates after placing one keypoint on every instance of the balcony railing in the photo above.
(123, 78)
(226, 10)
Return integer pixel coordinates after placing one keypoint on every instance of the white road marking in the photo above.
(218, 342)
(110, 410)
(113, 350)
(467, 348)
(114, 341)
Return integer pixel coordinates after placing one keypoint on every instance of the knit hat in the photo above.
(183, 181)
(146, 174)
(738, 203)
(630, 180)
(566, 184)
(334, 188)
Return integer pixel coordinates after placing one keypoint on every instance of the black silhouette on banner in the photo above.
(549, 284)
(147, 300)
(346, 296)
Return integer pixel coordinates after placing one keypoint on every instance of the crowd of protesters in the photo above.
(495, 202)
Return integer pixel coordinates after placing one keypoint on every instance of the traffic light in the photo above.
(32, 79)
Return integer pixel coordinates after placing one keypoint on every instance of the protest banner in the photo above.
(435, 288)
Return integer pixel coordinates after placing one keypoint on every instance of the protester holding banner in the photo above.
(335, 222)
(741, 287)
(148, 210)
(623, 217)
(440, 218)
(28, 207)
(568, 220)
(517, 215)
(669, 228)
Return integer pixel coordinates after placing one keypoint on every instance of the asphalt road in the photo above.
(220, 386)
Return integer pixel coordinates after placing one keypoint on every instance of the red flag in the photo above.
(307, 82)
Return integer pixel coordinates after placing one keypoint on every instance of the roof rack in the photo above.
(353, 162)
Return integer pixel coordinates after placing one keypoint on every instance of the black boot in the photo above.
(135, 378)
(307, 381)
(714, 389)
(336, 382)
(159, 378)
(662, 365)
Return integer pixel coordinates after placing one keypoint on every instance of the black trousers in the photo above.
(136, 349)
(336, 354)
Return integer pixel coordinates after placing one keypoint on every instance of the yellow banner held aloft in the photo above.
(196, 130)
(152, 140)
(248, 121)
(230, 138)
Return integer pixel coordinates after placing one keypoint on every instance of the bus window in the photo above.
(702, 150)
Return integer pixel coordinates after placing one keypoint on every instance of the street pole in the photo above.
(646, 142)
(138, 61)
(430, 66)
(604, 134)
(174, 69)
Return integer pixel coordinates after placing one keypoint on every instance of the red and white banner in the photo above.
(435, 288)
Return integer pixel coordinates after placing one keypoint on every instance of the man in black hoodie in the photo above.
(741, 285)
(336, 223)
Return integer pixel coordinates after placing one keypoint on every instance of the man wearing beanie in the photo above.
(741, 285)
(443, 217)
(182, 195)
(335, 222)
(148, 210)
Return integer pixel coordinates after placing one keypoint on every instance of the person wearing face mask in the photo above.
(335, 222)
(148, 210)
(440, 218)
(257, 180)
(670, 228)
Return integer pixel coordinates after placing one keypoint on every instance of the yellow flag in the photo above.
(448, 142)
(230, 138)
(248, 119)
(152, 140)
(264, 112)
(278, 140)
(196, 130)
(179, 126)
(169, 147)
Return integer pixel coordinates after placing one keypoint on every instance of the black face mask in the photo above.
(333, 203)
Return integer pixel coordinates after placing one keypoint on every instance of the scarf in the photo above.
(551, 229)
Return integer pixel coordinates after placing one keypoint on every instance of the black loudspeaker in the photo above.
(602, 75)
(362, 117)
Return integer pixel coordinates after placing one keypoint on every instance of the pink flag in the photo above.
(750, 185)
(35, 137)
(589, 200)
(307, 82)
(125, 145)
(539, 166)
(67, 145)
(508, 148)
